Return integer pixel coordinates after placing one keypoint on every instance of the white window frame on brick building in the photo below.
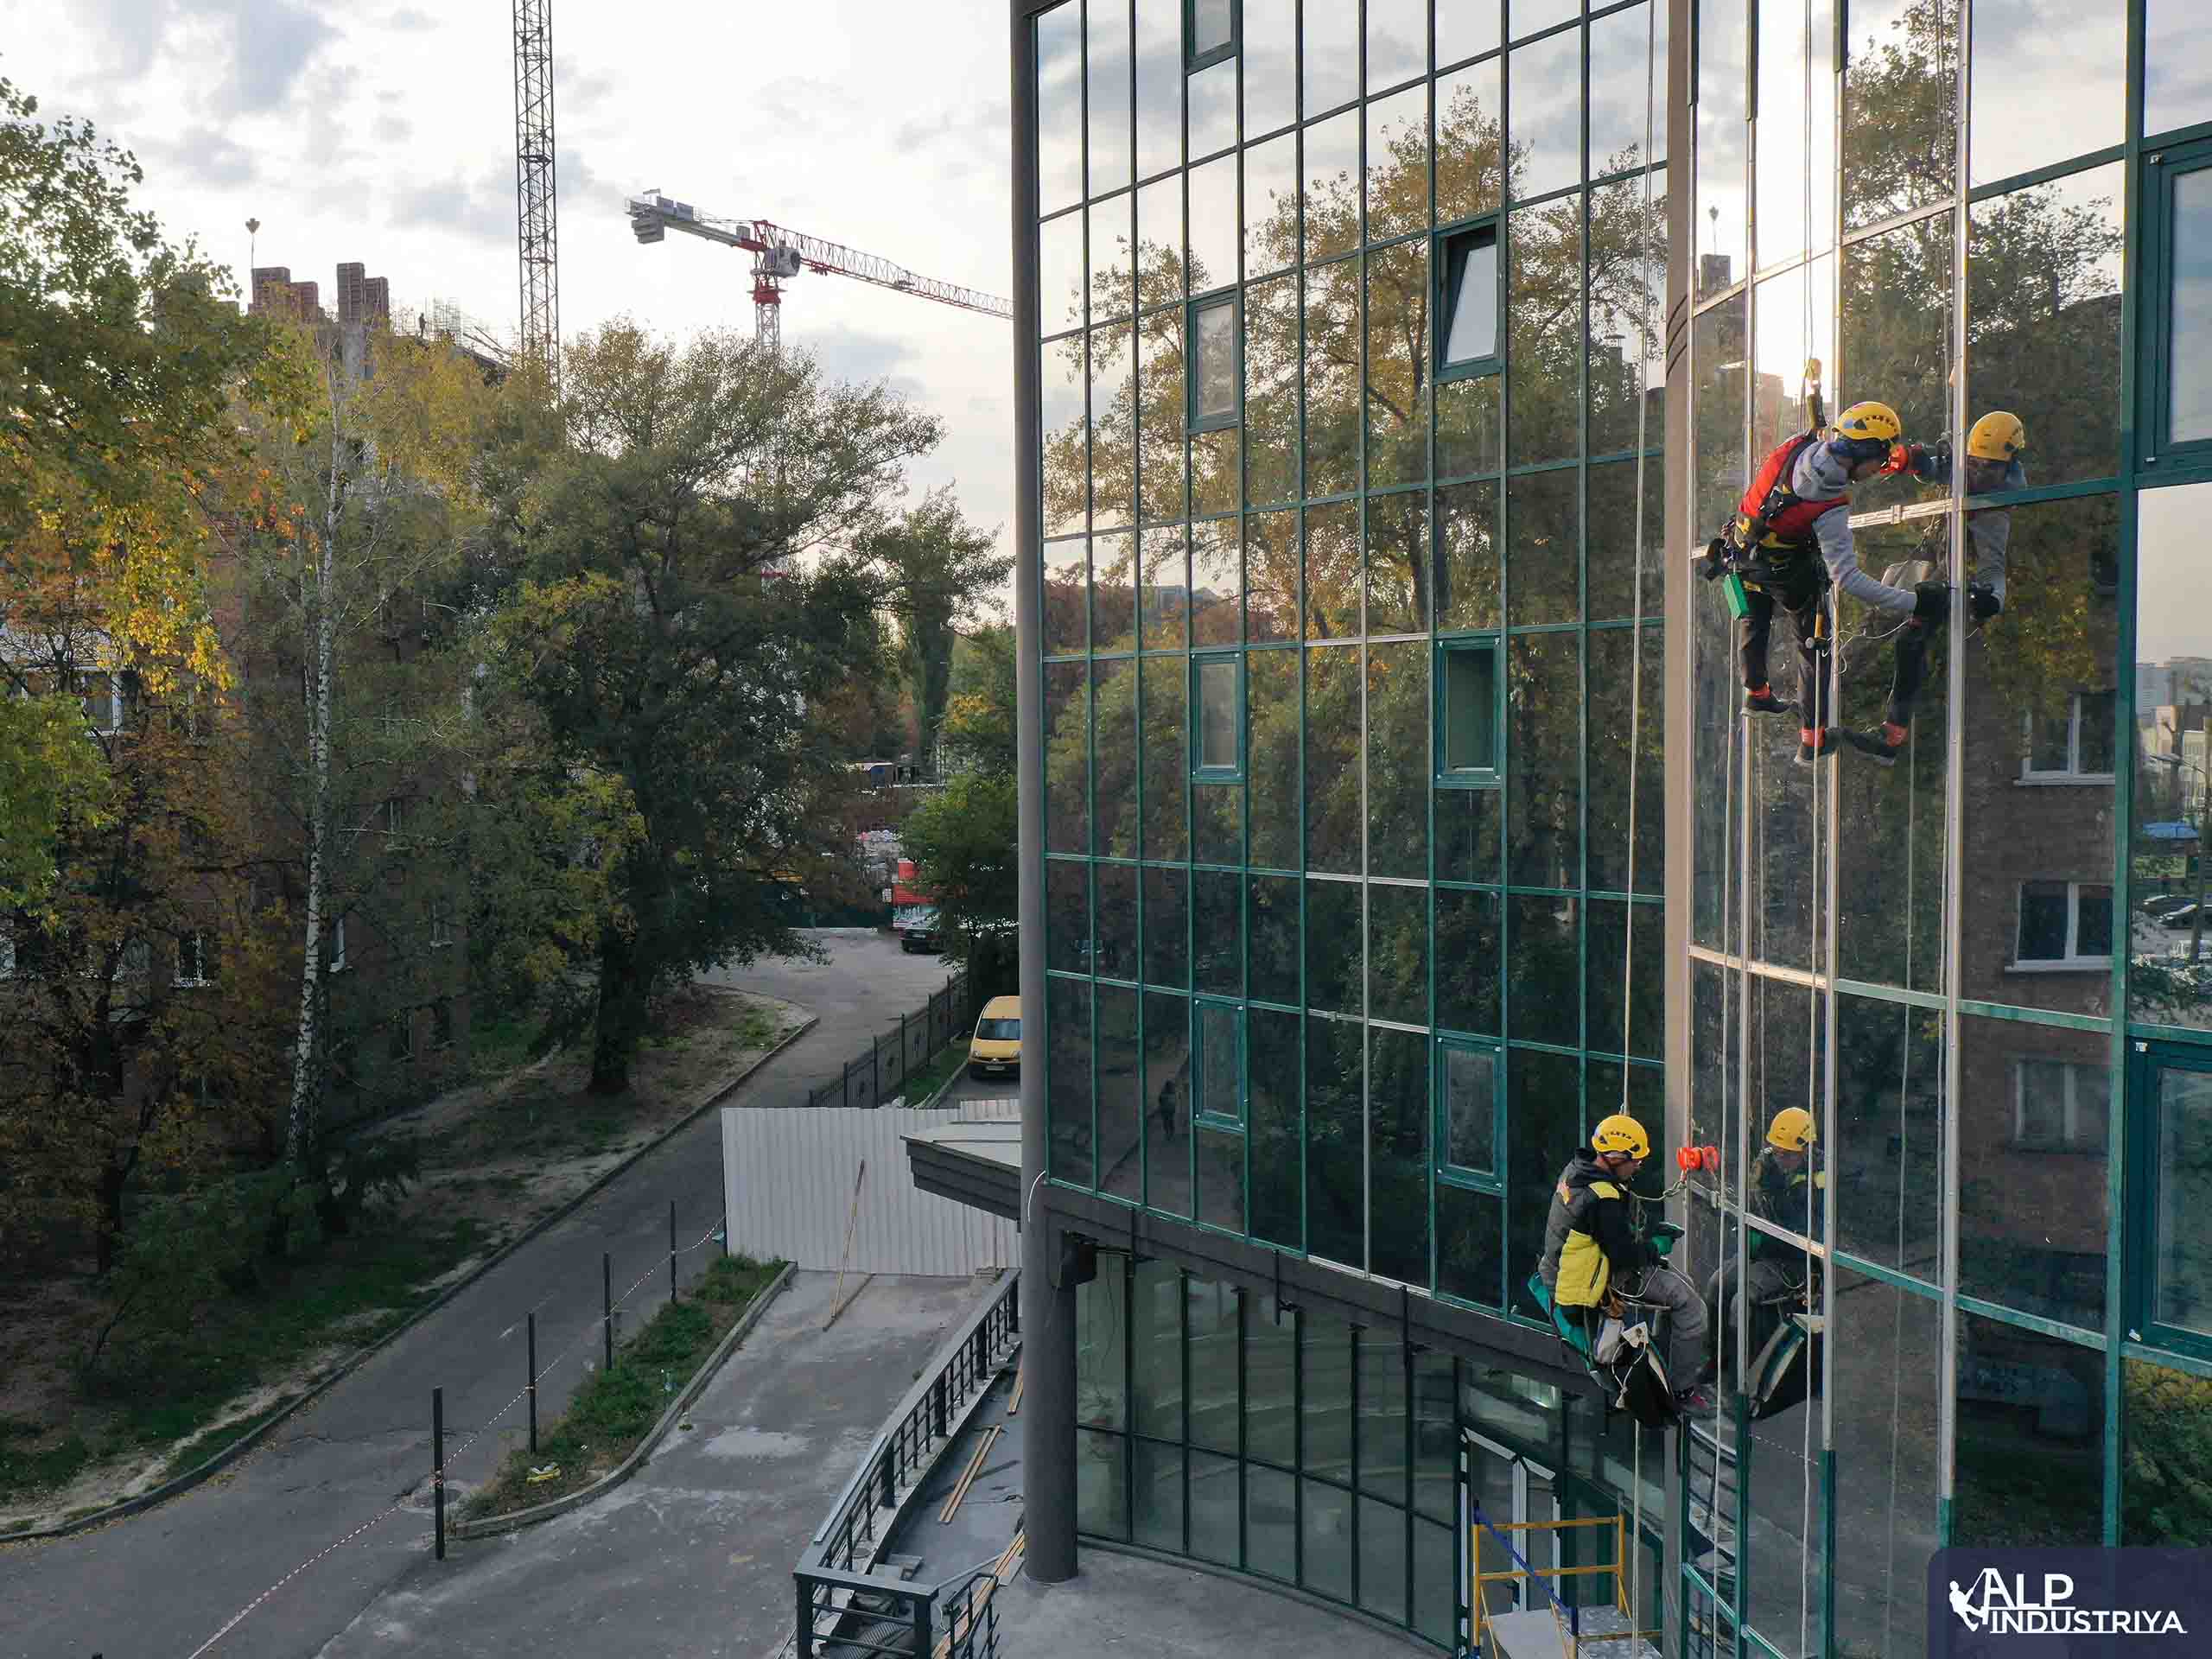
(2071, 959)
(2072, 772)
(2076, 1120)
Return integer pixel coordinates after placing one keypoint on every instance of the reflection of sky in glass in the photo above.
(2044, 92)
(1617, 87)
(1270, 181)
(1465, 103)
(1781, 344)
(2173, 581)
(1395, 124)
(1213, 223)
(2189, 350)
(1331, 56)
(1060, 108)
(1160, 228)
(1474, 308)
(1059, 278)
(1111, 231)
(1789, 199)
(2177, 65)
(1332, 155)
(1109, 98)
(1463, 28)
(1397, 41)
(1160, 87)
(1544, 87)
(1269, 49)
(1213, 108)
(1722, 62)
(1529, 15)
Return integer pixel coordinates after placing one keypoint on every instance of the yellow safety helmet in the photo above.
(1997, 436)
(1792, 1129)
(1868, 429)
(1621, 1133)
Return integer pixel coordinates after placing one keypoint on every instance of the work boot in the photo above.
(1881, 744)
(1762, 701)
(1816, 745)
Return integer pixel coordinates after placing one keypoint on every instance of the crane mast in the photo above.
(537, 232)
(779, 254)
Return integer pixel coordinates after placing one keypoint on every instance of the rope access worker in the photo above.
(1594, 1256)
(1993, 449)
(1791, 541)
(1781, 1189)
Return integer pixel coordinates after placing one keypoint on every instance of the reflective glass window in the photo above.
(1161, 365)
(1271, 206)
(1067, 757)
(2180, 1258)
(1221, 1083)
(1622, 98)
(1397, 563)
(1398, 364)
(2176, 65)
(1900, 108)
(1470, 426)
(2187, 411)
(1212, 95)
(1059, 275)
(1333, 567)
(1397, 1195)
(1464, 28)
(1060, 108)
(1218, 926)
(1529, 15)
(1333, 420)
(1277, 955)
(1334, 930)
(1113, 427)
(1067, 916)
(1166, 926)
(1064, 375)
(1470, 1081)
(1209, 1317)
(1470, 296)
(1628, 280)
(1331, 169)
(1067, 598)
(2168, 982)
(1544, 81)
(1723, 141)
(1543, 319)
(1158, 86)
(1270, 1382)
(1213, 27)
(2030, 1458)
(1398, 765)
(1213, 374)
(1220, 716)
(1271, 430)
(1216, 583)
(1213, 224)
(1467, 966)
(1543, 547)
(1269, 49)
(2165, 1449)
(1114, 703)
(1331, 47)
(1109, 76)
(1101, 1477)
(1156, 1495)
(1067, 1081)
(1101, 1351)
(1544, 763)
(1796, 184)
(1121, 1080)
(1468, 138)
(1162, 1089)
(1335, 1184)
(1467, 557)
(1468, 742)
(1397, 953)
(1161, 275)
(1276, 1136)
(1397, 41)
(1271, 748)
(1166, 695)
(1543, 961)
(1270, 1522)
(1397, 163)
(2074, 58)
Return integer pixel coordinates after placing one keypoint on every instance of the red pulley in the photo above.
(1710, 1156)
(1685, 1158)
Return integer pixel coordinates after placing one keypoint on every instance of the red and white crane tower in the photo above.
(779, 254)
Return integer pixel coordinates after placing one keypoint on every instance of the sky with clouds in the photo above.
(386, 133)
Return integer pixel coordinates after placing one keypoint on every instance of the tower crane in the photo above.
(778, 254)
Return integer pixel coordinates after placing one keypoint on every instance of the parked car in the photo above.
(2165, 904)
(921, 931)
(2183, 918)
(997, 1046)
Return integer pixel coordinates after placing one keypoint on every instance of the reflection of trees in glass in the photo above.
(2166, 1491)
(1901, 114)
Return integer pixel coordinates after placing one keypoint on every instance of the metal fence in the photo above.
(881, 1073)
(845, 1607)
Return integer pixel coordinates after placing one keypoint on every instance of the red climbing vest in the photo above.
(1772, 514)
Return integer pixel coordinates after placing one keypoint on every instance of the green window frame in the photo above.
(1198, 416)
(1195, 57)
(1206, 669)
(1451, 1147)
(1227, 1016)
(1453, 251)
(2167, 174)
(1470, 712)
(2147, 1061)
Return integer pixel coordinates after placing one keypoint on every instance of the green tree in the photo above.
(935, 568)
(645, 631)
(963, 841)
(979, 725)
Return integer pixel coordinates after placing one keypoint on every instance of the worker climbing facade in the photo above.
(1791, 544)
(1784, 1190)
(1595, 1259)
(1993, 463)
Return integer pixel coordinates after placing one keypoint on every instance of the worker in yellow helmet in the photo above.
(1994, 447)
(1790, 541)
(1781, 1187)
(1592, 1252)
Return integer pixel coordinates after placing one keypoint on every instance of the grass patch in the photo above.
(920, 1086)
(614, 1410)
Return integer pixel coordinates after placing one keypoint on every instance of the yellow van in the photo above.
(997, 1043)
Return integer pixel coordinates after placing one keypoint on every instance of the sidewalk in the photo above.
(692, 1556)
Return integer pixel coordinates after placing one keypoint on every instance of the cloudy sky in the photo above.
(385, 132)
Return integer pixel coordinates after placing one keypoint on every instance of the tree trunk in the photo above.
(112, 1178)
(621, 1015)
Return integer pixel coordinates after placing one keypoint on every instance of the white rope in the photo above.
(1829, 711)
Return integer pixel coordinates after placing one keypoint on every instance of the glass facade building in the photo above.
(1396, 816)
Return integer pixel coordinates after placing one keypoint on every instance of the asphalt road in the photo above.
(159, 1584)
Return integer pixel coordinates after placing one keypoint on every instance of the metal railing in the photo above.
(1566, 1617)
(880, 1074)
(844, 1606)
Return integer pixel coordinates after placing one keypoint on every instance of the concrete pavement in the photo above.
(161, 1583)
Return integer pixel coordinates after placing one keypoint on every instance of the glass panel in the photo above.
(2165, 1456)
(2168, 980)
(2075, 59)
(1060, 108)
(1113, 686)
(1794, 321)
(1529, 15)
(1436, 1443)
(1795, 209)
(1900, 109)
(1270, 1389)
(1209, 1316)
(1628, 278)
(1158, 1492)
(1164, 602)
(1723, 58)
(1120, 1132)
(1218, 924)
(1271, 406)
(1543, 1125)
(1397, 1193)
(2188, 407)
(1068, 1071)
(1467, 557)
(1214, 231)
(1213, 108)
(1216, 586)
(1116, 921)
(1220, 1082)
(1398, 364)
(1470, 1245)
(1269, 49)
(1067, 916)
(1216, 460)
(1885, 1347)
(1623, 99)
(1270, 1522)
(1213, 1506)
(1324, 1361)
(1466, 830)
(1324, 1527)
(1545, 83)
(1159, 86)
(1067, 597)
(1543, 547)
(1217, 713)
(1397, 954)
(1466, 121)
(1544, 969)
(1333, 816)
(1332, 384)
(1156, 1350)
(1382, 1560)
(2176, 88)
(2043, 325)
(1336, 1221)
(1397, 41)
(1067, 757)
(1220, 1155)
(1331, 56)
(1101, 1477)
(1471, 1110)
(1109, 60)
(1332, 945)
(1543, 750)
(1167, 923)
(2030, 1451)
(1213, 26)
(1890, 1128)
(1331, 172)
(1059, 274)
(1166, 1102)
(1611, 529)
(1160, 268)
(1276, 1131)
(2181, 1262)
(1064, 373)
(1114, 592)
(1472, 332)
(1612, 718)
(1112, 258)
(1608, 947)
(1216, 385)
(1470, 426)
(1467, 962)
(1381, 1363)
(1113, 427)
(1277, 958)
(1271, 206)
(1544, 332)
(1398, 762)
(1397, 563)
(1397, 160)
(1332, 571)
(1271, 757)
(1101, 1349)
(1434, 1597)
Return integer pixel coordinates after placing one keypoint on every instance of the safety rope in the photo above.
(1830, 716)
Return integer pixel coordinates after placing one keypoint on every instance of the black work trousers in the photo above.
(1807, 603)
(1915, 643)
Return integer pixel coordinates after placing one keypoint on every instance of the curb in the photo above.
(245, 1443)
(516, 1519)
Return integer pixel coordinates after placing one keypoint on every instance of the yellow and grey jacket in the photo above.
(1589, 1241)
